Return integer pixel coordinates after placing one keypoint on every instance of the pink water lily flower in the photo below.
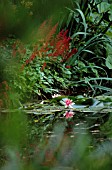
(68, 103)
(68, 114)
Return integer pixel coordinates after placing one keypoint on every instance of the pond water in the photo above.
(93, 115)
(59, 141)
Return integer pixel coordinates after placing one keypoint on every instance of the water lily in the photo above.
(68, 114)
(69, 103)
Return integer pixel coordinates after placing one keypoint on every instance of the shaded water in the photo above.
(94, 119)
(56, 138)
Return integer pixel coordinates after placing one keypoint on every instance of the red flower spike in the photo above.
(52, 46)
(32, 57)
(22, 67)
(14, 53)
(27, 61)
(51, 33)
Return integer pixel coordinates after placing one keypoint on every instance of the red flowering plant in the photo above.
(43, 61)
(4, 98)
(52, 45)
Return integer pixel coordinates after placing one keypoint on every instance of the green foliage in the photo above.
(53, 78)
(109, 56)
(89, 25)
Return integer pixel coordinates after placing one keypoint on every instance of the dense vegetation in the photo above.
(55, 84)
